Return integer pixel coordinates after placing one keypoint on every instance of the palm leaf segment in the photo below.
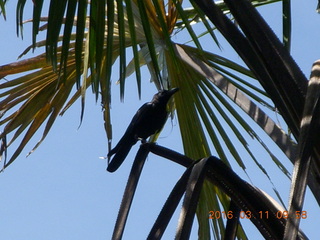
(213, 87)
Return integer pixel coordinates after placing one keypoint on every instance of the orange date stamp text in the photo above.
(259, 215)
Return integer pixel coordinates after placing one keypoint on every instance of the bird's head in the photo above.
(163, 96)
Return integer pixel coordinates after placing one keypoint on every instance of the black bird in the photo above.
(148, 120)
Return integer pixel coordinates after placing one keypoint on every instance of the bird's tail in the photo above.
(120, 154)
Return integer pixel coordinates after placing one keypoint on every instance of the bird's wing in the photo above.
(129, 135)
(139, 116)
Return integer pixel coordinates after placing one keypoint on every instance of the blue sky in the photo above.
(62, 191)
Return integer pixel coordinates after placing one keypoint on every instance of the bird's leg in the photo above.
(142, 140)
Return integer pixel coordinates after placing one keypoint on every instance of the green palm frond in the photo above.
(286, 24)
(207, 100)
(57, 83)
(2, 8)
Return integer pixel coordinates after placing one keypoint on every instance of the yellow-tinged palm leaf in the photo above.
(43, 95)
(44, 100)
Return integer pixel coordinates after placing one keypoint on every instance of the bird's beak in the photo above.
(173, 91)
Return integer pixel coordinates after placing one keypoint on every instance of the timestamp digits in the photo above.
(261, 214)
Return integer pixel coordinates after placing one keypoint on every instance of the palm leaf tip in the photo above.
(3, 149)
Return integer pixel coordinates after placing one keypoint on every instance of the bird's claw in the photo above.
(142, 140)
